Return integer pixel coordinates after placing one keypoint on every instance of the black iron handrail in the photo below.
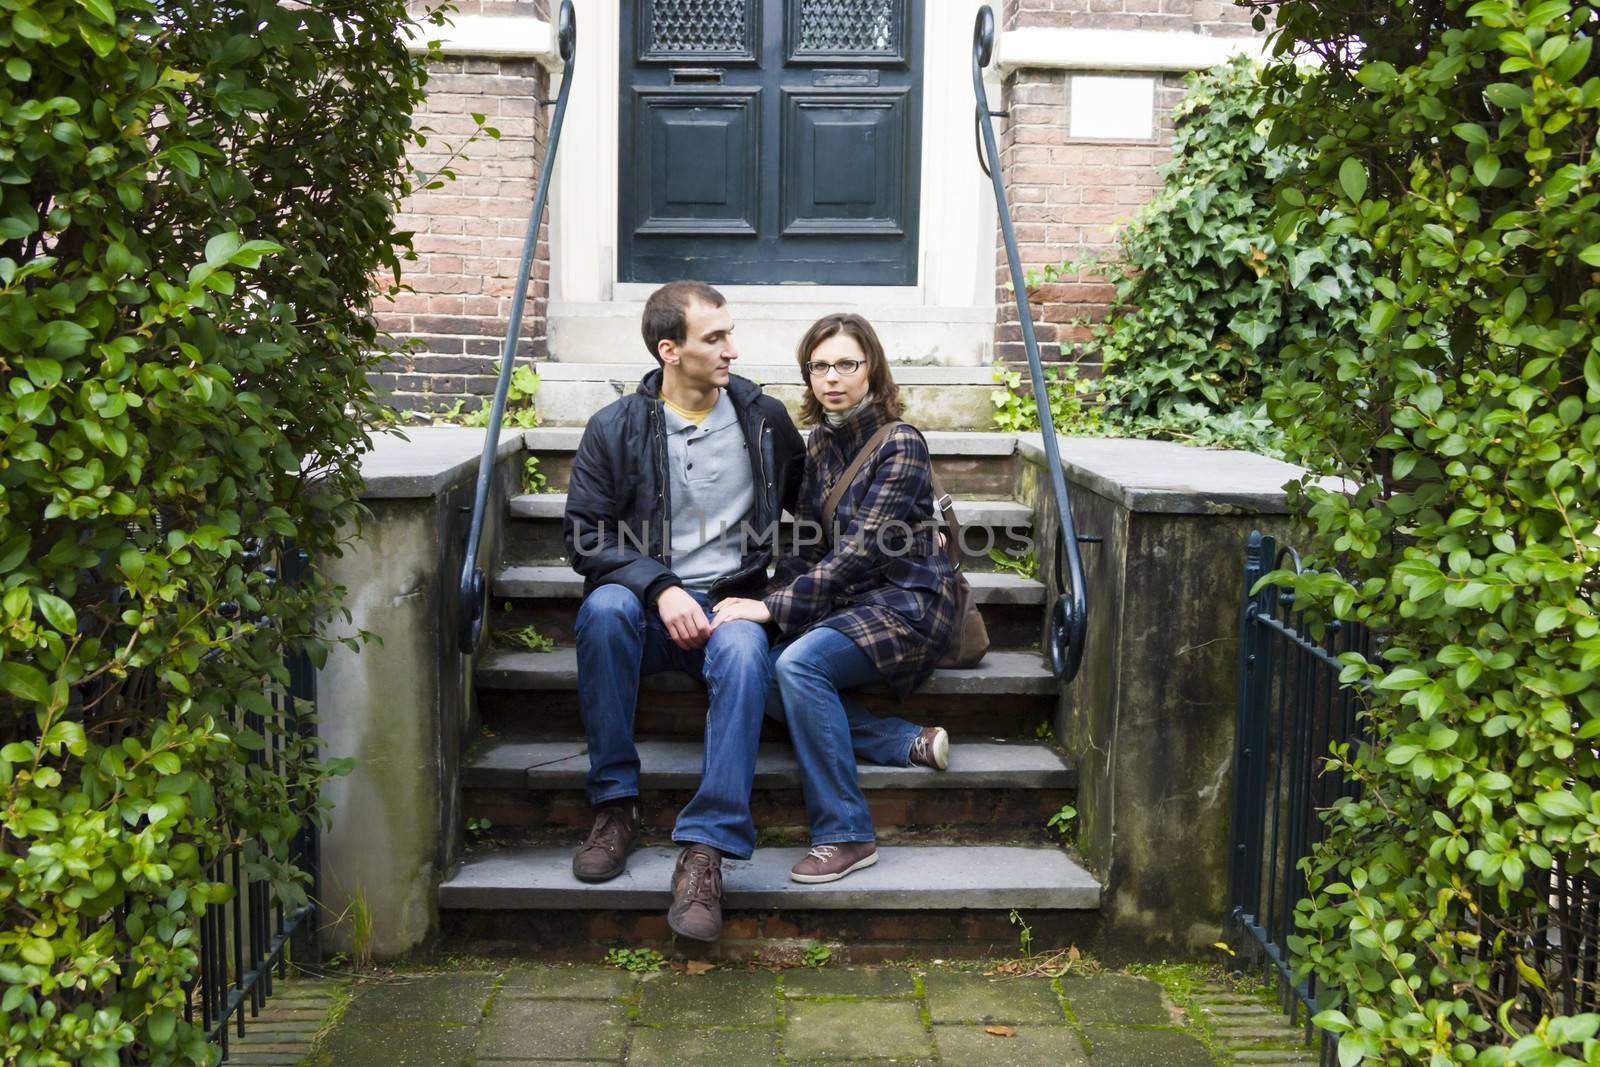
(1069, 616)
(473, 582)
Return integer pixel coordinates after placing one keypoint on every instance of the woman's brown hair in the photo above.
(880, 384)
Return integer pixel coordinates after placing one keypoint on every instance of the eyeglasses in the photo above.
(845, 367)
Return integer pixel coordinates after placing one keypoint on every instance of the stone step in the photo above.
(937, 398)
(1000, 674)
(988, 524)
(921, 878)
(968, 463)
(561, 582)
(547, 596)
(534, 695)
(1002, 513)
(538, 765)
(990, 788)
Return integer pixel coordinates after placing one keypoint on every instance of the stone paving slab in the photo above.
(960, 998)
(855, 1029)
(552, 1030)
(522, 1014)
(1032, 1046)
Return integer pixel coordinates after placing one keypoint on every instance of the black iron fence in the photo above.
(1292, 708)
(1543, 960)
(246, 940)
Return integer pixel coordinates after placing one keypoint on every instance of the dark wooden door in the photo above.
(769, 141)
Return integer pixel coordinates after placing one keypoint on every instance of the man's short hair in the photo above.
(666, 312)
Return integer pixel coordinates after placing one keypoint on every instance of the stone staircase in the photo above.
(961, 849)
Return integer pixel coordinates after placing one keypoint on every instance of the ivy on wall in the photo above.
(194, 198)
(1459, 144)
(1206, 295)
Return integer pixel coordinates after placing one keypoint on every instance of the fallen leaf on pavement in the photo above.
(1001, 1031)
(697, 966)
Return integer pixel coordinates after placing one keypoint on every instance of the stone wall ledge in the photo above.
(424, 461)
(491, 36)
(1164, 477)
(1070, 48)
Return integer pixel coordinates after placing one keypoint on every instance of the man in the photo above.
(658, 477)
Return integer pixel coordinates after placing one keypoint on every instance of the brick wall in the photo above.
(468, 234)
(1068, 198)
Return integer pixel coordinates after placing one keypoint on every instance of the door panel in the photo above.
(697, 173)
(823, 198)
(770, 141)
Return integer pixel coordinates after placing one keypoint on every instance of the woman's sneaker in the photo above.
(829, 863)
(931, 748)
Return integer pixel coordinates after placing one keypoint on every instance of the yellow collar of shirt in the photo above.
(696, 417)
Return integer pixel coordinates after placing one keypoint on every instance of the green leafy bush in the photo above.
(194, 199)
(1464, 412)
(1206, 296)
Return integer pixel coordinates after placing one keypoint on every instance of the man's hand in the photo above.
(736, 607)
(684, 618)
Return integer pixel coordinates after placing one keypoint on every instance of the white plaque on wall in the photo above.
(1106, 107)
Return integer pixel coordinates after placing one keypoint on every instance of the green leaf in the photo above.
(1508, 95)
(100, 9)
(24, 682)
(1486, 168)
(1353, 178)
(19, 69)
(162, 1024)
(1591, 255)
(1561, 804)
(38, 951)
(57, 612)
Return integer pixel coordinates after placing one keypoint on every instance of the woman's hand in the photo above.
(738, 607)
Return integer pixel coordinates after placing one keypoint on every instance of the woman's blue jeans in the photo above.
(830, 731)
(619, 639)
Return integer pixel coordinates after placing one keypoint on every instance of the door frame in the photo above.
(956, 215)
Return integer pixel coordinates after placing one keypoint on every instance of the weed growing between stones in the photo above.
(528, 638)
(817, 955)
(1025, 565)
(1063, 822)
(636, 960)
(533, 479)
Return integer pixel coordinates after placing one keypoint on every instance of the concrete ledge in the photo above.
(763, 373)
(1000, 674)
(1164, 477)
(492, 36)
(972, 876)
(677, 765)
(1065, 48)
(559, 581)
(426, 460)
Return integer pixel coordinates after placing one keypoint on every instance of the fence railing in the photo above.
(1292, 708)
(246, 939)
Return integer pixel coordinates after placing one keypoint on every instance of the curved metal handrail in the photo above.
(1069, 615)
(473, 583)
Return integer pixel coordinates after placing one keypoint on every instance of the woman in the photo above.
(876, 603)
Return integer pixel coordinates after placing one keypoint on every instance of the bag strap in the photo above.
(831, 505)
(944, 506)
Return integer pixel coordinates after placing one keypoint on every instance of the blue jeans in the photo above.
(829, 731)
(619, 640)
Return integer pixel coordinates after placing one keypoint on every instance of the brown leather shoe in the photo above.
(696, 910)
(931, 748)
(604, 854)
(829, 863)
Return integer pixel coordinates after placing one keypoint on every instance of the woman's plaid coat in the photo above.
(884, 581)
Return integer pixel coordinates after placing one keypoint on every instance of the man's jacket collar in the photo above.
(742, 391)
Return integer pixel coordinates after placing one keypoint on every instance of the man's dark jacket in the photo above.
(618, 525)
